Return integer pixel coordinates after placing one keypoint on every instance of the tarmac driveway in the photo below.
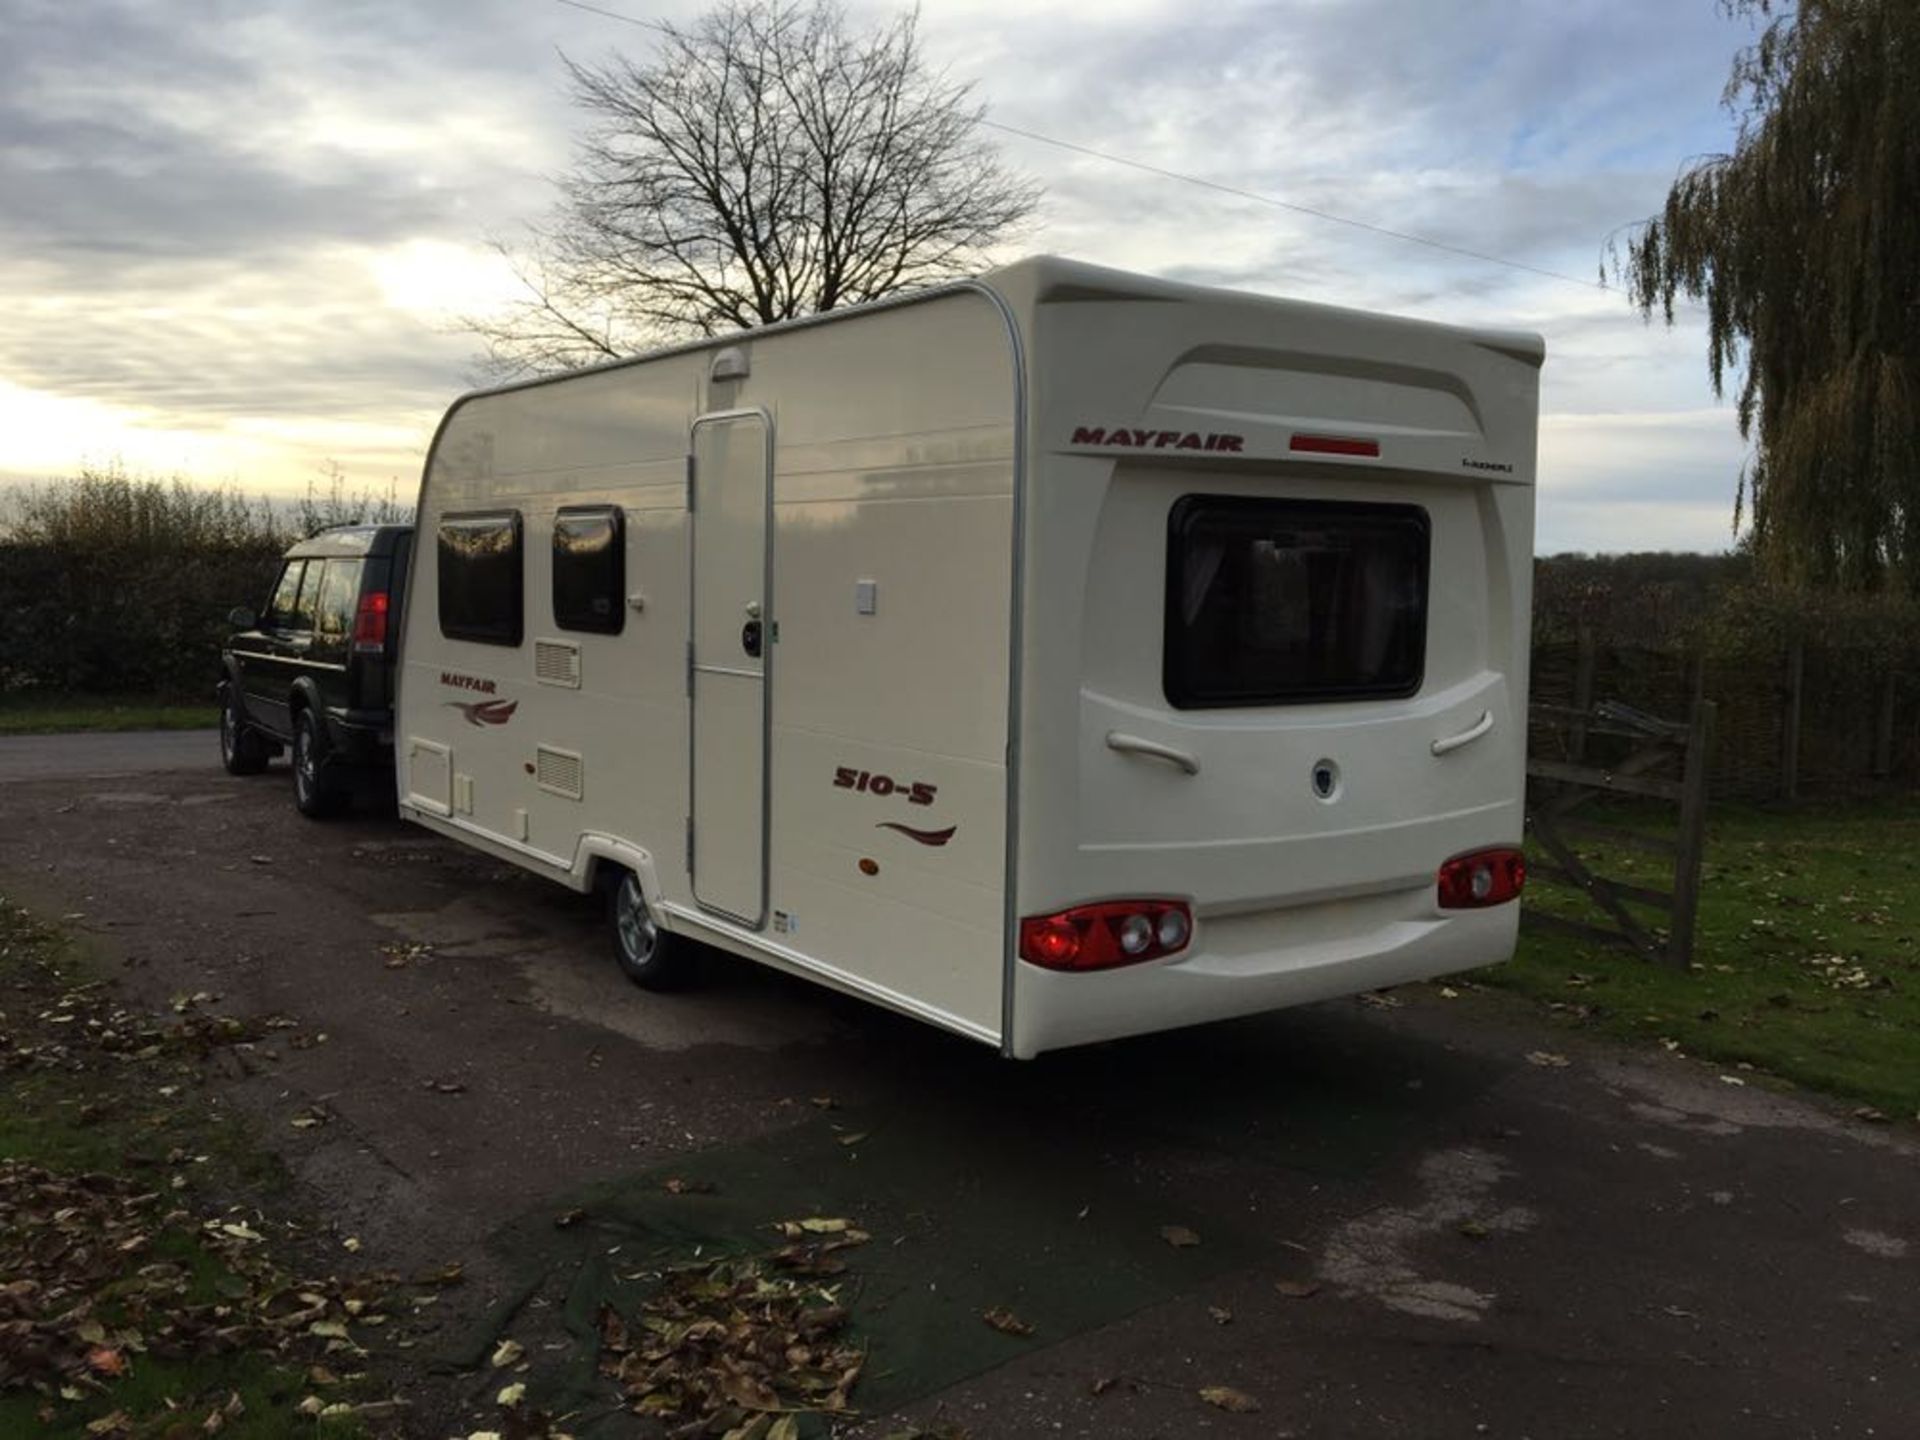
(1432, 1216)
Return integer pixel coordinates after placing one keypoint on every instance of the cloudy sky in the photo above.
(234, 233)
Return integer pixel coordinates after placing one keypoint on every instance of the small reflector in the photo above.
(1333, 445)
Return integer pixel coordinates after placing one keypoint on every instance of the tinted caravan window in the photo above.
(1275, 602)
(590, 569)
(480, 585)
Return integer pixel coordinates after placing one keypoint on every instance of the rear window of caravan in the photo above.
(480, 577)
(1279, 602)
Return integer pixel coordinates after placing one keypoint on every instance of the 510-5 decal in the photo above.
(914, 792)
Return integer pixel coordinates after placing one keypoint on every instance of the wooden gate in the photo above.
(1664, 760)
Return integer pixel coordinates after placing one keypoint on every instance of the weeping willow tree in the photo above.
(1804, 245)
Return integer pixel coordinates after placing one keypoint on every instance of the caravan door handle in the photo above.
(1466, 737)
(1134, 745)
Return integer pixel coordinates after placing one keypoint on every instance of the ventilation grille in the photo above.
(559, 772)
(556, 662)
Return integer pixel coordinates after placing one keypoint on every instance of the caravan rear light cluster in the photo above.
(1098, 937)
(370, 623)
(1486, 877)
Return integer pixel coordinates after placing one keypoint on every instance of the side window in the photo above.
(333, 621)
(280, 608)
(590, 568)
(303, 608)
(480, 577)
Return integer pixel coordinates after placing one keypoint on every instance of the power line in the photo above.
(1293, 205)
(1259, 199)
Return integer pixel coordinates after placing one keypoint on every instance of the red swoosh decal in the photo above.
(925, 837)
(486, 712)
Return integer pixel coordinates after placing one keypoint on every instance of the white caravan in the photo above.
(1053, 657)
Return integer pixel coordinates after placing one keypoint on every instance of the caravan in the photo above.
(1054, 657)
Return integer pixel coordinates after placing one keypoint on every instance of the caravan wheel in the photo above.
(649, 956)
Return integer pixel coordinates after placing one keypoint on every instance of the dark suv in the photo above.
(314, 672)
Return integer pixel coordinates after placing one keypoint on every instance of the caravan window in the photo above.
(590, 568)
(480, 584)
(1276, 602)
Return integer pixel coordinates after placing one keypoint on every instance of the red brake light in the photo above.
(370, 622)
(1098, 937)
(1486, 877)
(1333, 445)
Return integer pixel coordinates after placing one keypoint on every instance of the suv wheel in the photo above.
(647, 955)
(242, 750)
(317, 790)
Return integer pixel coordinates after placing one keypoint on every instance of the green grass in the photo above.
(107, 1113)
(56, 714)
(1806, 962)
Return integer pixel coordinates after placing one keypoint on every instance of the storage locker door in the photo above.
(732, 631)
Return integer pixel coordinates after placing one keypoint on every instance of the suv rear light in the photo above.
(370, 623)
(1098, 937)
(1486, 877)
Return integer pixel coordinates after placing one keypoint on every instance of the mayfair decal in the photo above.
(486, 712)
(925, 837)
(1157, 439)
(467, 682)
(1496, 466)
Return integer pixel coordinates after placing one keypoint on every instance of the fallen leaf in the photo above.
(104, 1360)
(1220, 1314)
(1297, 1289)
(506, 1353)
(674, 1185)
(1006, 1322)
(1474, 1230)
(1102, 1385)
(824, 1102)
(1547, 1059)
(854, 1138)
(511, 1395)
(1225, 1397)
(567, 1219)
(813, 1225)
(1178, 1236)
(1870, 1114)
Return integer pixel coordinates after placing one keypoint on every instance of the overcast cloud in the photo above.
(233, 235)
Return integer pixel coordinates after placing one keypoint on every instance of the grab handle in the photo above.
(1134, 745)
(1465, 737)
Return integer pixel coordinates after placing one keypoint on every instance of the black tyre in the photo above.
(242, 749)
(317, 788)
(651, 957)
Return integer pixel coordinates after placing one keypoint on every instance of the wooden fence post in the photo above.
(1693, 838)
(1582, 696)
(1790, 721)
(1883, 727)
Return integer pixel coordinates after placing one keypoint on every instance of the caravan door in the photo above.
(730, 497)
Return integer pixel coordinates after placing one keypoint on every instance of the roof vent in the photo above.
(729, 364)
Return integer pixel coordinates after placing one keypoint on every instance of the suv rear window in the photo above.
(1284, 602)
(480, 580)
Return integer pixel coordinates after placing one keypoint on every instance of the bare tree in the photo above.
(766, 162)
